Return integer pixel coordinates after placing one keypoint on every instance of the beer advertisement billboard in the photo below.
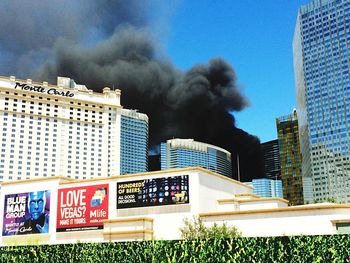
(153, 192)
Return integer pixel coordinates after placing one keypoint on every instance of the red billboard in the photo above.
(82, 208)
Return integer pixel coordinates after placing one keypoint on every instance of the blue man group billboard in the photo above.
(26, 213)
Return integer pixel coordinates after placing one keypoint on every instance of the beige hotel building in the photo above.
(66, 129)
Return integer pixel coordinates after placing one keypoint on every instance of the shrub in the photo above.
(332, 248)
(195, 229)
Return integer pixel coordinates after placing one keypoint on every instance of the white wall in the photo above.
(312, 222)
(213, 188)
(261, 204)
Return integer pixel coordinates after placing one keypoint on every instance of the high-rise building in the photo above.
(290, 156)
(272, 167)
(267, 187)
(64, 129)
(133, 142)
(181, 153)
(321, 66)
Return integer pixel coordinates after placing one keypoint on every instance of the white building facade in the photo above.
(58, 130)
(149, 206)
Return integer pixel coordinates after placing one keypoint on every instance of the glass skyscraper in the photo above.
(181, 153)
(321, 66)
(290, 157)
(134, 142)
(265, 187)
(271, 156)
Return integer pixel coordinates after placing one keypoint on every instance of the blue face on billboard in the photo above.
(26, 213)
(36, 203)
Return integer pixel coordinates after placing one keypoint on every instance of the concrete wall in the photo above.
(213, 188)
(261, 204)
(313, 220)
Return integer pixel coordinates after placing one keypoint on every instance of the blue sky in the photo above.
(255, 37)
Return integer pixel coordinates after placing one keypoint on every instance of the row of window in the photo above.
(79, 104)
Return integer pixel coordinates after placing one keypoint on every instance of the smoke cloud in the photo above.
(109, 43)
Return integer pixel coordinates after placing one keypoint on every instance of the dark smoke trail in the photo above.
(193, 104)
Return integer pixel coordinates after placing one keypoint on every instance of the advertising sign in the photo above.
(26, 213)
(82, 208)
(153, 192)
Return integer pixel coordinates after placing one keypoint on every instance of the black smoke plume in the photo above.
(109, 43)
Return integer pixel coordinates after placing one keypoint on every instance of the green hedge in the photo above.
(272, 249)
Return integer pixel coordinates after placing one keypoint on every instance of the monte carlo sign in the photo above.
(50, 91)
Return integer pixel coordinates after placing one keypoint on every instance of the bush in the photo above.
(333, 248)
(195, 229)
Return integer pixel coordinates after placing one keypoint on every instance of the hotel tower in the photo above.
(181, 153)
(66, 129)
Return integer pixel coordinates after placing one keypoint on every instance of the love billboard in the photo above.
(153, 192)
(82, 208)
(26, 213)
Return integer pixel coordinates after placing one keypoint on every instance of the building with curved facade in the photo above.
(182, 153)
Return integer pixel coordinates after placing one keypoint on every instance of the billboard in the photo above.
(153, 192)
(26, 213)
(82, 208)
